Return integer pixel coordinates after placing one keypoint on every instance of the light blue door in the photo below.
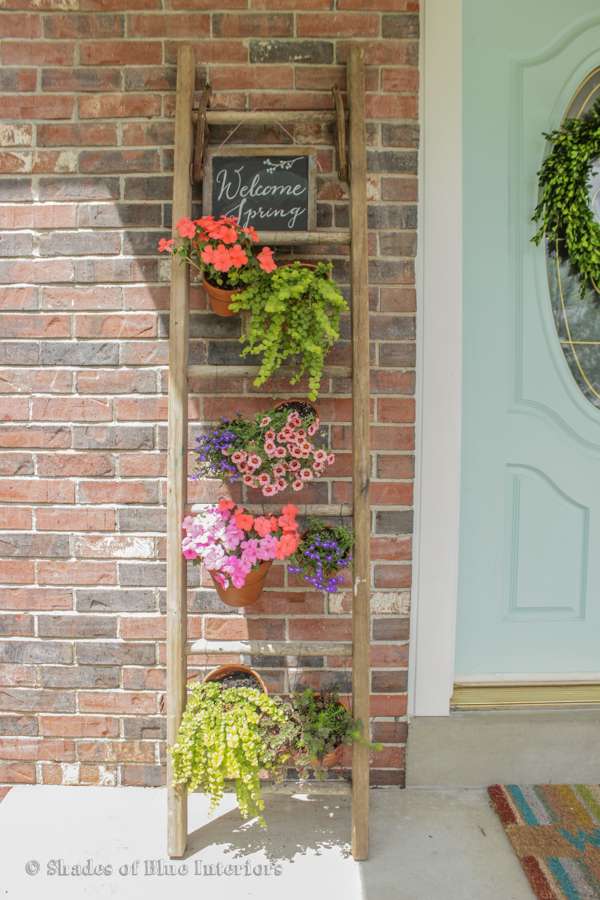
(529, 595)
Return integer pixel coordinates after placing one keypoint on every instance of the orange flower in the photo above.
(237, 256)
(243, 520)
(287, 545)
(225, 503)
(265, 260)
(186, 227)
(165, 244)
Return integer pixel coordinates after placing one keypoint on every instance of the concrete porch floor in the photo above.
(425, 844)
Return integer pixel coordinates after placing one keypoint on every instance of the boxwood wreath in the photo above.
(294, 316)
(563, 213)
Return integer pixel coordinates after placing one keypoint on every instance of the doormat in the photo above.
(555, 831)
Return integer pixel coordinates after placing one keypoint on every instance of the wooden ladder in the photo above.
(180, 371)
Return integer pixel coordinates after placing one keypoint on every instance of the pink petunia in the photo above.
(306, 474)
(297, 484)
(266, 420)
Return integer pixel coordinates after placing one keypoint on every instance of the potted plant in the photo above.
(324, 726)
(236, 675)
(223, 252)
(294, 318)
(322, 553)
(238, 548)
(232, 733)
(270, 452)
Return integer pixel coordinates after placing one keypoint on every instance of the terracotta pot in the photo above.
(289, 404)
(332, 758)
(222, 671)
(219, 298)
(251, 590)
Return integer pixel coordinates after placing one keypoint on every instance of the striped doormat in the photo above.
(555, 831)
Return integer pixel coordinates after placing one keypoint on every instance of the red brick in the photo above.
(37, 271)
(395, 409)
(79, 726)
(74, 25)
(113, 53)
(32, 106)
(67, 465)
(143, 627)
(226, 78)
(401, 79)
(17, 772)
(380, 5)
(326, 629)
(391, 576)
(108, 381)
(14, 408)
(36, 326)
(37, 53)
(128, 325)
(77, 134)
(71, 409)
(252, 25)
(391, 106)
(142, 465)
(209, 51)
(141, 409)
(16, 625)
(115, 702)
(13, 25)
(36, 749)
(76, 572)
(36, 492)
(116, 106)
(35, 437)
(79, 519)
(44, 216)
(17, 297)
(96, 297)
(238, 628)
(382, 53)
(16, 571)
(117, 492)
(165, 26)
(16, 676)
(395, 465)
(15, 161)
(391, 548)
(35, 598)
(17, 518)
(388, 705)
(337, 25)
(116, 751)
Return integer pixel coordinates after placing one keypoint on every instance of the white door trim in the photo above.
(439, 362)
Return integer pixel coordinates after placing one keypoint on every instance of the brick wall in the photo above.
(85, 162)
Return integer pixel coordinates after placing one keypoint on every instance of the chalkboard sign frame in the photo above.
(259, 153)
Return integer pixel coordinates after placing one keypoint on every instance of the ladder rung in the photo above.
(251, 371)
(266, 116)
(272, 648)
(281, 238)
(332, 510)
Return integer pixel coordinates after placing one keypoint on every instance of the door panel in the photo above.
(529, 592)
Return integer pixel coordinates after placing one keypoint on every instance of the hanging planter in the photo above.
(223, 252)
(294, 319)
(271, 452)
(249, 592)
(325, 725)
(324, 551)
(238, 548)
(236, 675)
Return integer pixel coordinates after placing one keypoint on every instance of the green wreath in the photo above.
(563, 214)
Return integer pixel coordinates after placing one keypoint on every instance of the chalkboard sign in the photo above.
(271, 188)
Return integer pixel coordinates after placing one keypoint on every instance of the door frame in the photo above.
(439, 362)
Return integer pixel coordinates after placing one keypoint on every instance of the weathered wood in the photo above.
(273, 648)
(200, 135)
(251, 371)
(269, 117)
(340, 134)
(313, 509)
(177, 450)
(360, 449)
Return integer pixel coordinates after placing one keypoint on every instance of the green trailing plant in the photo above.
(563, 214)
(324, 724)
(294, 318)
(232, 733)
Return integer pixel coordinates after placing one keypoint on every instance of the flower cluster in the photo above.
(322, 552)
(220, 248)
(231, 542)
(270, 452)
